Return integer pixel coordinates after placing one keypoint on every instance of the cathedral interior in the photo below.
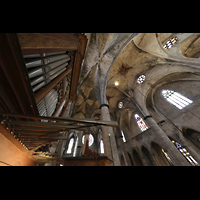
(99, 99)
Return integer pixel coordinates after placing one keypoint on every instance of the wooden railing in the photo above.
(36, 131)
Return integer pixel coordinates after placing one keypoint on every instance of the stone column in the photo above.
(79, 144)
(110, 147)
(84, 145)
(166, 143)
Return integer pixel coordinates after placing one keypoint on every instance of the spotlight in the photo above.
(116, 83)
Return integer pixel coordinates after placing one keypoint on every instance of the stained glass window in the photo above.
(198, 138)
(123, 137)
(141, 79)
(170, 43)
(91, 139)
(168, 158)
(176, 99)
(101, 147)
(70, 146)
(141, 123)
(185, 153)
(120, 104)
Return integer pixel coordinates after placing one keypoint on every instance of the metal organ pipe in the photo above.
(65, 84)
(47, 105)
(42, 69)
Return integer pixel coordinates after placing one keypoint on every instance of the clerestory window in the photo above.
(123, 137)
(185, 153)
(170, 43)
(176, 99)
(141, 123)
(101, 147)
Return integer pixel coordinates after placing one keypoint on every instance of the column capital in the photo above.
(102, 105)
(147, 117)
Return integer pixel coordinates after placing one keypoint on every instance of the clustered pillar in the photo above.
(110, 146)
(166, 144)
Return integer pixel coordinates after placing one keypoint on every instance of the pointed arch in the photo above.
(147, 156)
(130, 158)
(192, 135)
(122, 161)
(136, 158)
(159, 155)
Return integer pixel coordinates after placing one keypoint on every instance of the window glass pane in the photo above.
(101, 147)
(70, 146)
(141, 123)
(176, 99)
(185, 153)
(91, 139)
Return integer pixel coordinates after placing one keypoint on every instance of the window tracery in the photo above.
(176, 99)
(91, 139)
(141, 123)
(141, 79)
(185, 153)
(170, 43)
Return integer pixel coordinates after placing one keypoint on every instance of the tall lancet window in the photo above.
(101, 147)
(70, 146)
(176, 99)
(141, 123)
(170, 43)
(185, 153)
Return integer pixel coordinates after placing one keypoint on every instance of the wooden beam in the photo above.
(43, 124)
(65, 119)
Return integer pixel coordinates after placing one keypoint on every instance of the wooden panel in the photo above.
(75, 75)
(12, 152)
(79, 55)
(16, 93)
(47, 41)
(87, 161)
(4, 132)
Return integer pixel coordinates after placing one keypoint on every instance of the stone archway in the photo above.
(159, 157)
(147, 157)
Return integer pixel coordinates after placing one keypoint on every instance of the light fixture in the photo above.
(116, 83)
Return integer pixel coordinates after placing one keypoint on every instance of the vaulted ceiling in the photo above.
(144, 54)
